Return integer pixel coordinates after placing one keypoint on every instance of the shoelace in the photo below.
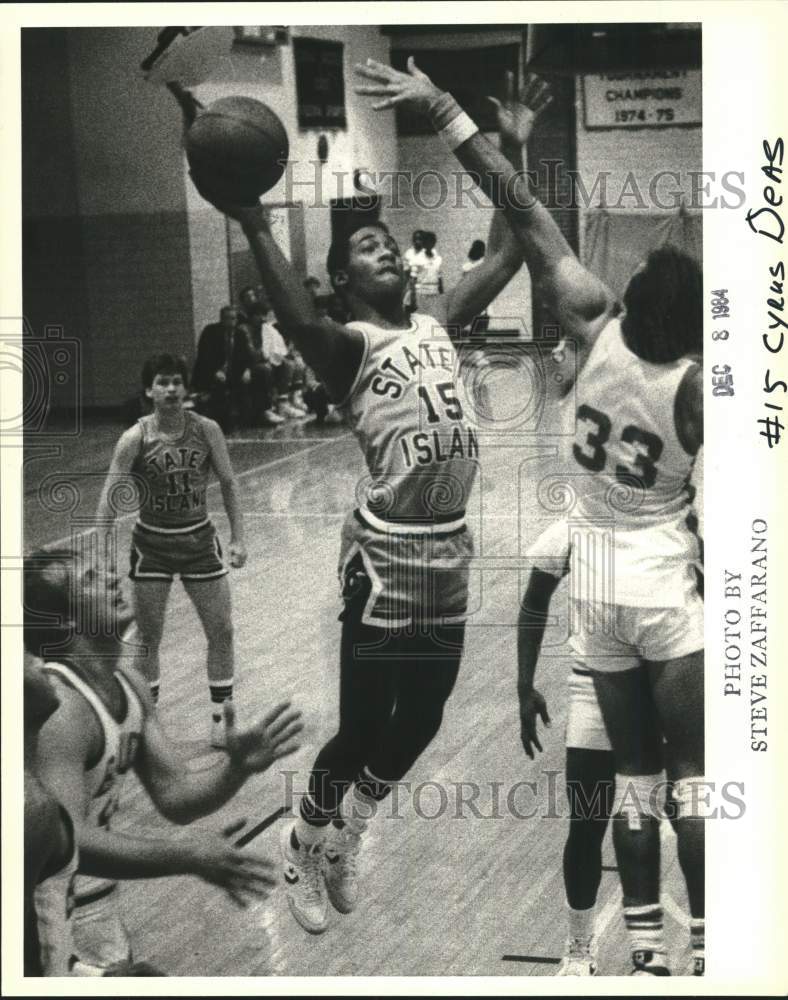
(311, 865)
(347, 848)
(579, 948)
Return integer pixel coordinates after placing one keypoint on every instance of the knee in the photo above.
(638, 797)
(691, 798)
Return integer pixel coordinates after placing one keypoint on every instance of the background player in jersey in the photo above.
(406, 548)
(171, 452)
(106, 725)
(639, 425)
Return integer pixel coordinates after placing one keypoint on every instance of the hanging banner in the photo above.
(645, 99)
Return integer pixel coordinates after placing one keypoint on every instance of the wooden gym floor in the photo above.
(445, 892)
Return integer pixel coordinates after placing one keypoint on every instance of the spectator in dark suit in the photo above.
(224, 376)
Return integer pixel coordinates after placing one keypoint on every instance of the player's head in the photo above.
(69, 596)
(165, 379)
(477, 250)
(664, 307)
(417, 239)
(429, 240)
(248, 299)
(228, 317)
(364, 262)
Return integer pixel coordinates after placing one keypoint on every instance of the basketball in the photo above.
(237, 148)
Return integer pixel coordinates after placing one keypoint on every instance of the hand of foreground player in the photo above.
(413, 89)
(516, 114)
(532, 704)
(253, 750)
(243, 874)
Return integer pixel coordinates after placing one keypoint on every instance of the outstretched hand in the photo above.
(517, 113)
(243, 874)
(413, 89)
(253, 750)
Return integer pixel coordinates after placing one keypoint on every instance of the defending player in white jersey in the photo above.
(639, 426)
(405, 548)
(172, 453)
(106, 725)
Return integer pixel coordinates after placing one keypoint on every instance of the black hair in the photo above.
(339, 251)
(47, 596)
(164, 364)
(477, 251)
(429, 239)
(664, 307)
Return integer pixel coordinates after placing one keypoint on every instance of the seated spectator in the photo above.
(411, 260)
(429, 279)
(221, 372)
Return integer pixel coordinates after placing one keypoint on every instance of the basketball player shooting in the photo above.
(406, 548)
(639, 426)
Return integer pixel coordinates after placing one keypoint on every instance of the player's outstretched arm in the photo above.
(331, 350)
(531, 623)
(478, 288)
(578, 298)
(220, 459)
(183, 795)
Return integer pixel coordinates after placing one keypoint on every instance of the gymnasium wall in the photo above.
(119, 248)
(114, 229)
(629, 159)
(456, 223)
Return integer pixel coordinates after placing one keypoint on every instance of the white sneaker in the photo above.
(334, 416)
(286, 409)
(649, 963)
(579, 958)
(306, 891)
(218, 734)
(340, 869)
(272, 419)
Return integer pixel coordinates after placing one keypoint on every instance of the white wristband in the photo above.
(458, 131)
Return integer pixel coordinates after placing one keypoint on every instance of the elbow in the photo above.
(173, 809)
(175, 813)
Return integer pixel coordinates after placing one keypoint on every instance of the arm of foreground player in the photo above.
(330, 349)
(578, 298)
(243, 874)
(182, 794)
(70, 739)
(531, 623)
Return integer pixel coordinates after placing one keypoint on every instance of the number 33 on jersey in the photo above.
(625, 434)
